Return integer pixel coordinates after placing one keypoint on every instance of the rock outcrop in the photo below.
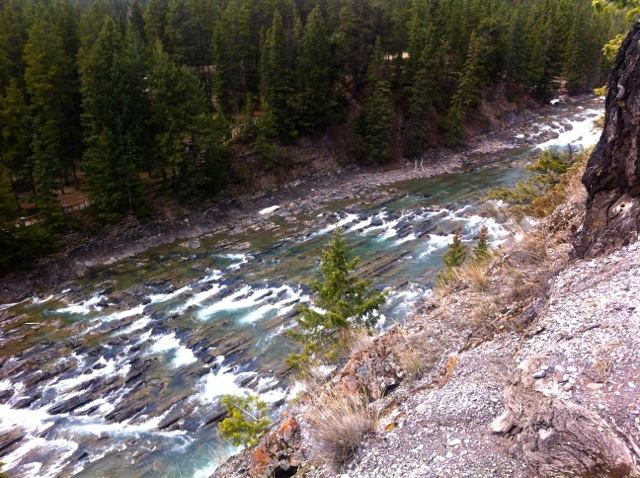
(612, 177)
(558, 437)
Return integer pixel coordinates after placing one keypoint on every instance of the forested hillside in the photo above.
(130, 100)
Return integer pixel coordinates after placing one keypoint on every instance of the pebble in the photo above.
(595, 386)
(454, 442)
(540, 374)
(572, 369)
(567, 387)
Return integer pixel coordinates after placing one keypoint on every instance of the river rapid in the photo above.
(121, 373)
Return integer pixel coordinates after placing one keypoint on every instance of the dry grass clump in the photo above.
(338, 422)
(474, 274)
(415, 354)
(484, 316)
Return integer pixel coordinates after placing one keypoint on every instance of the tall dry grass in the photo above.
(338, 423)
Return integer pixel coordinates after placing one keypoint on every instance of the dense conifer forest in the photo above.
(129, 100)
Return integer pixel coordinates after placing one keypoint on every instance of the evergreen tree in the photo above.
(246, 421)
(45, 170)
(424, 94)
(188, 142)
(13, 38)
(15, 129)
(374, 124)
(576, 55)
(278, 117)
(50, 85)
(481, 252)
(342, 303)
(156, 20)
(8, 203)
(236, 56)
(222, 80)
(469, 91)
(356, 39)
(318, 71)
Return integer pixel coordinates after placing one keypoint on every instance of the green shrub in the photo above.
(247, 420)
(548, 170)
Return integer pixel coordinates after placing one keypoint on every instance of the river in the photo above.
(121, 373)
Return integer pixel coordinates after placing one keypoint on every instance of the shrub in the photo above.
(548, 171)
(247, 420)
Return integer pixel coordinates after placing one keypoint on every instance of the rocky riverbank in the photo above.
(307, 195)
(493, 377)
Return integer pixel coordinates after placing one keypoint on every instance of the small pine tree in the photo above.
(481, 252)
(247, 420)
(457, 252)
(454, 258)
(2, 475)
(345, 302)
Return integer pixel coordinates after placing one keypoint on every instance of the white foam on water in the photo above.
(110, 367)
(122, 314)
(273, 396)
(84, 307)
(32, 421)
(249, 298)
(284, 306)
(583, 133)
(365, 223)
(97, 427)
(65, 448)
(137, 325)
(216, 274)
(169, 344)
(435, 243)
(199, 298)
(36, 300)
(157, 298)
(348, 219)
(222, 382)
(104, 407)
(268, 210)
(205, 472)
(13, 304)
(407, 238)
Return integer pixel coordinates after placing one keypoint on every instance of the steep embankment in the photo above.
(529, 370)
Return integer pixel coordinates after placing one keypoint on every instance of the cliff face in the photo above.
(612, 177)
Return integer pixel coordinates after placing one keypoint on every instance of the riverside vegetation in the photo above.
(130, 104)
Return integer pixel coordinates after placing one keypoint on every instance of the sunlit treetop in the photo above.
(633, 6)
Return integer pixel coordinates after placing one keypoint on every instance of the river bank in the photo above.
(306, 195)
(526, 370)
(134, 356)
